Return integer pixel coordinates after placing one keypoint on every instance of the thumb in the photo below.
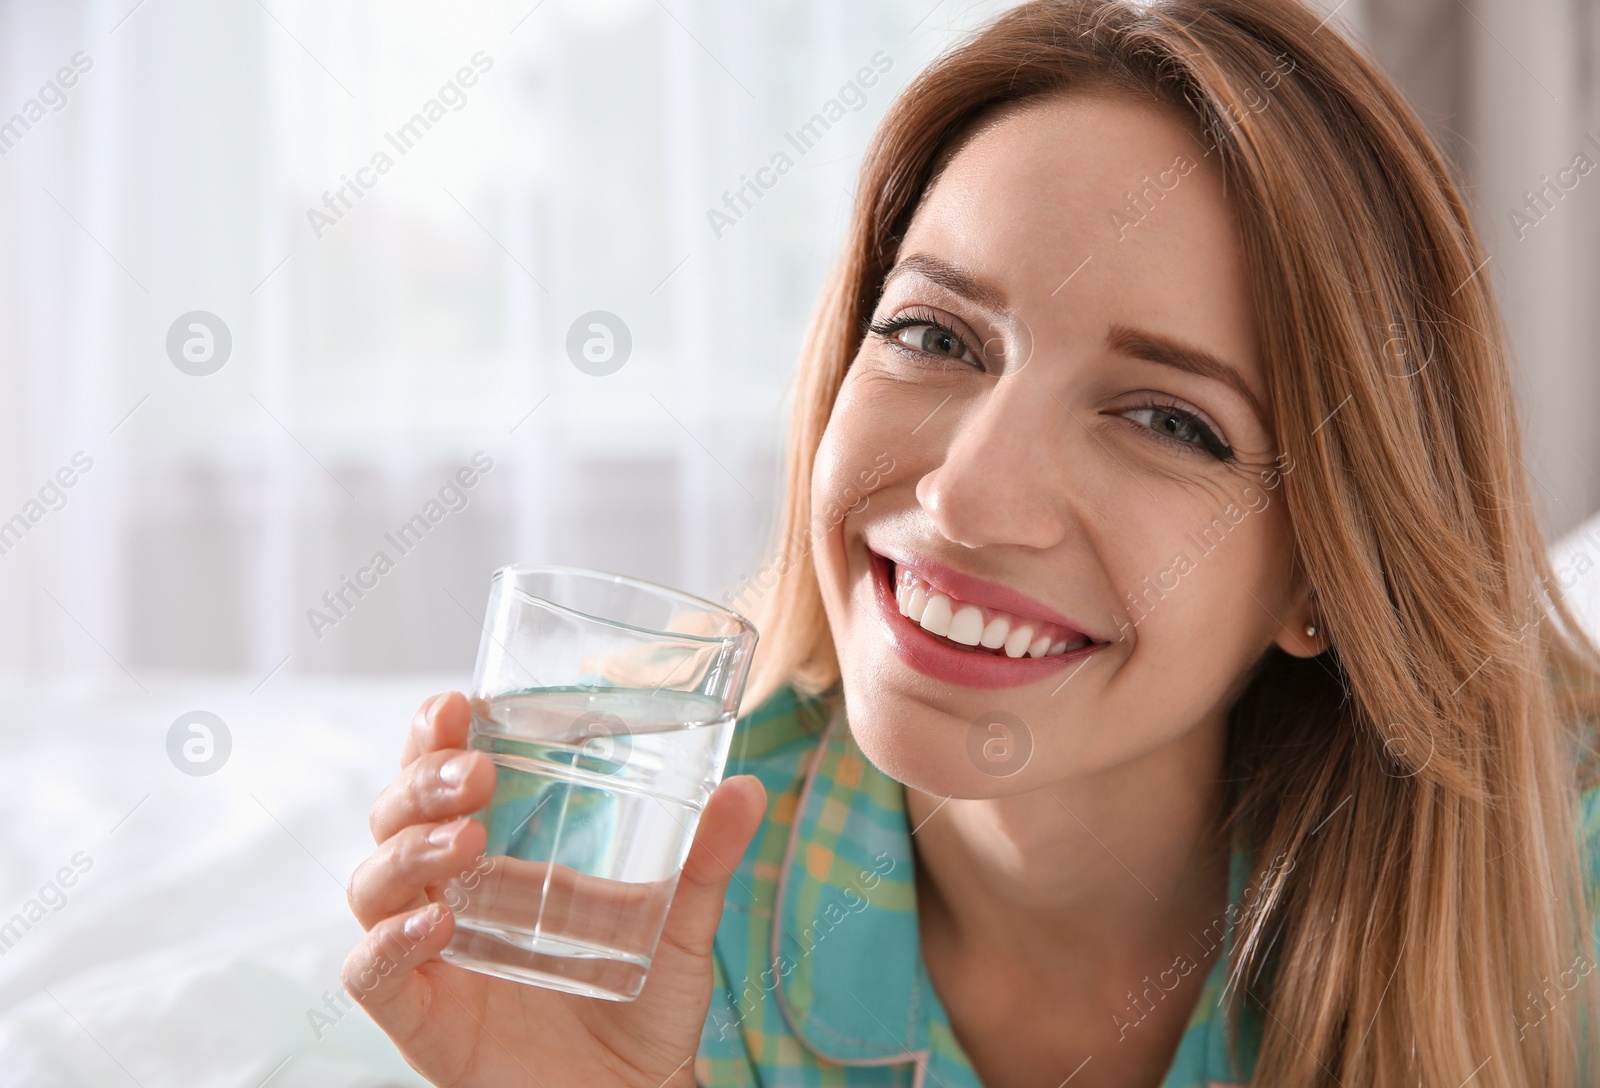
(729, 821)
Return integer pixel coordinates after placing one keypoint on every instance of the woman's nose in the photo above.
(1001, 480)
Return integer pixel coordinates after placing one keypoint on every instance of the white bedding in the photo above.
(211, 921)
(193, 945)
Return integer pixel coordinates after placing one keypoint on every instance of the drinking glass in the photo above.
(607, 705)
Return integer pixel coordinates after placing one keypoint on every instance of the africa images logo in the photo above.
(338, 201)
(452, 498)
(853, 94)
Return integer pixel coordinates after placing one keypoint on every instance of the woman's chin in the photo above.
(931, 751)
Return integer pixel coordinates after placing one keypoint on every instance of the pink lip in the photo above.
(926, 654)
(966, 588)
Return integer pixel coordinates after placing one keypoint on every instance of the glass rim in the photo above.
(511, 570)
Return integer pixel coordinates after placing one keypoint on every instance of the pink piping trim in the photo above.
(920, 1057)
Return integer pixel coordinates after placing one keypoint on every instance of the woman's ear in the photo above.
(1302, 633)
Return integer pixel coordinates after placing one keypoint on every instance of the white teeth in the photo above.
(936, 616)
(917, 602)
(994, 635)
(964, 623)
(966, 626)
(1017, 641)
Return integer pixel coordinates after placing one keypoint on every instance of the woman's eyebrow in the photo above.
(952, 277)
(1165, 351)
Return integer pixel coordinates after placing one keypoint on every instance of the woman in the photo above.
(1161, 679)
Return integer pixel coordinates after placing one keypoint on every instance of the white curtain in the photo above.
(174, 153)
(1512, 87)
(391, 321)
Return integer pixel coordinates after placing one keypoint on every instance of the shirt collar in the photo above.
(846, 954)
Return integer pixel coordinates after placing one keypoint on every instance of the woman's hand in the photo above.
(461, 1028)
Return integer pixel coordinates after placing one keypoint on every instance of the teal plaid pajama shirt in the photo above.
(819, 978)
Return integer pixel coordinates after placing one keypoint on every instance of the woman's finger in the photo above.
(380, 971)
(435, 786)
(399, 873)
(440, 722)
(729, 821)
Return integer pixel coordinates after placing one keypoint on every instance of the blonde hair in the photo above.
(1444, 737)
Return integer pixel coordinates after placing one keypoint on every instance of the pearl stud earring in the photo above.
(1311, 630)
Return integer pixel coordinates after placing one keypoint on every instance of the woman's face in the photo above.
(1058, 423)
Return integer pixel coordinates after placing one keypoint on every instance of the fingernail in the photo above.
(433, 707)
(454, 772)
(419, 924)
(444, 834)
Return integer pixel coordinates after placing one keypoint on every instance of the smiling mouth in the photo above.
(978, 629)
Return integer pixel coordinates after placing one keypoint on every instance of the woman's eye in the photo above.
(1182, 427)
(919, 333)
(934, 340)
(1170, 423)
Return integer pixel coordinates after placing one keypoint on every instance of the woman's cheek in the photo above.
(1170, 572)
(853, 461)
